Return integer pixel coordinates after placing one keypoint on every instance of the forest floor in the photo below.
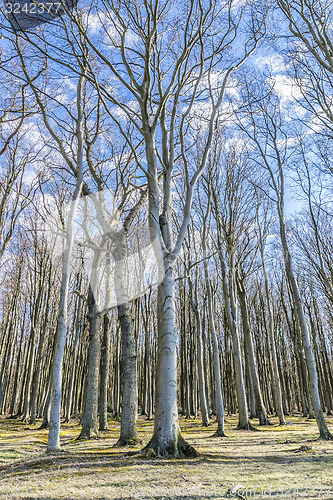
(276, 462)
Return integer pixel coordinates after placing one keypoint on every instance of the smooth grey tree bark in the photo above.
(89, 414)
(230, 302)
(259, 403)
(275, 165)
(56, 390)
(160, 92)
(167, 439)
(129, 404)
(272, 341)
(104, 375)
(309, 355)
(216, 350)
(77, 329)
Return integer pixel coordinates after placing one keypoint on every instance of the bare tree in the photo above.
(267, 130)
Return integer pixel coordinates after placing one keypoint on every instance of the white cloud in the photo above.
(275, 63)
(286, 88)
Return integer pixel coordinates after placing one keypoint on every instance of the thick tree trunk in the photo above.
(167, 439)
(129, 405)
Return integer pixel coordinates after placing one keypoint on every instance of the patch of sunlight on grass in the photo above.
(274, 459)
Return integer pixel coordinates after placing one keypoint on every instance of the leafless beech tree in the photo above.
(267, 129)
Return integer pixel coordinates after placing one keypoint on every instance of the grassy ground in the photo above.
(277, 462)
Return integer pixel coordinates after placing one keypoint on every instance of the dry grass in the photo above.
(276, 462)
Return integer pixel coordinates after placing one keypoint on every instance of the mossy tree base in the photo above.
(103, 428)
(88, 434)
(179, 448)
(127, 442)
(264, 421)
(219, 433)
(246, 427)
(44, 425)
(326, 436)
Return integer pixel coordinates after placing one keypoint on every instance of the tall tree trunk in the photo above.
(200, 361)
(276, 375)
(56, 378)
(89, 414)
(217, 368)
(167, 439)
(29, 375)
(36, 379)
(309, 356)
(104, 378)
(147, 364)
(260, 407)
(229, 298)
(129, 404)
(70, 386)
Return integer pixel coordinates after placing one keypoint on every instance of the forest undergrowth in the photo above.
(276, 462)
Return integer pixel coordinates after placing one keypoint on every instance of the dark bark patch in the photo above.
(180, 448)
(247, 427)
(127, 442)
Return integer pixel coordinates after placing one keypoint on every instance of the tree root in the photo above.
(246, 427)
(178, 449)
(218, 433)
(326, 437)
(90, 434)
(127, 442)
(265, 422)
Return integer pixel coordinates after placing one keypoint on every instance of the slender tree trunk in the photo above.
(89, 414)
(104, 371)
(217, 369)
(129, 404)
(200, 361)
(202, 382)
(56, 379)
(116, 385)
(309, 356)
(26, 406)
(243, 422)
(260, 407)
(70, 387)
(147, 365)
(276, 375)
(40, 354)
